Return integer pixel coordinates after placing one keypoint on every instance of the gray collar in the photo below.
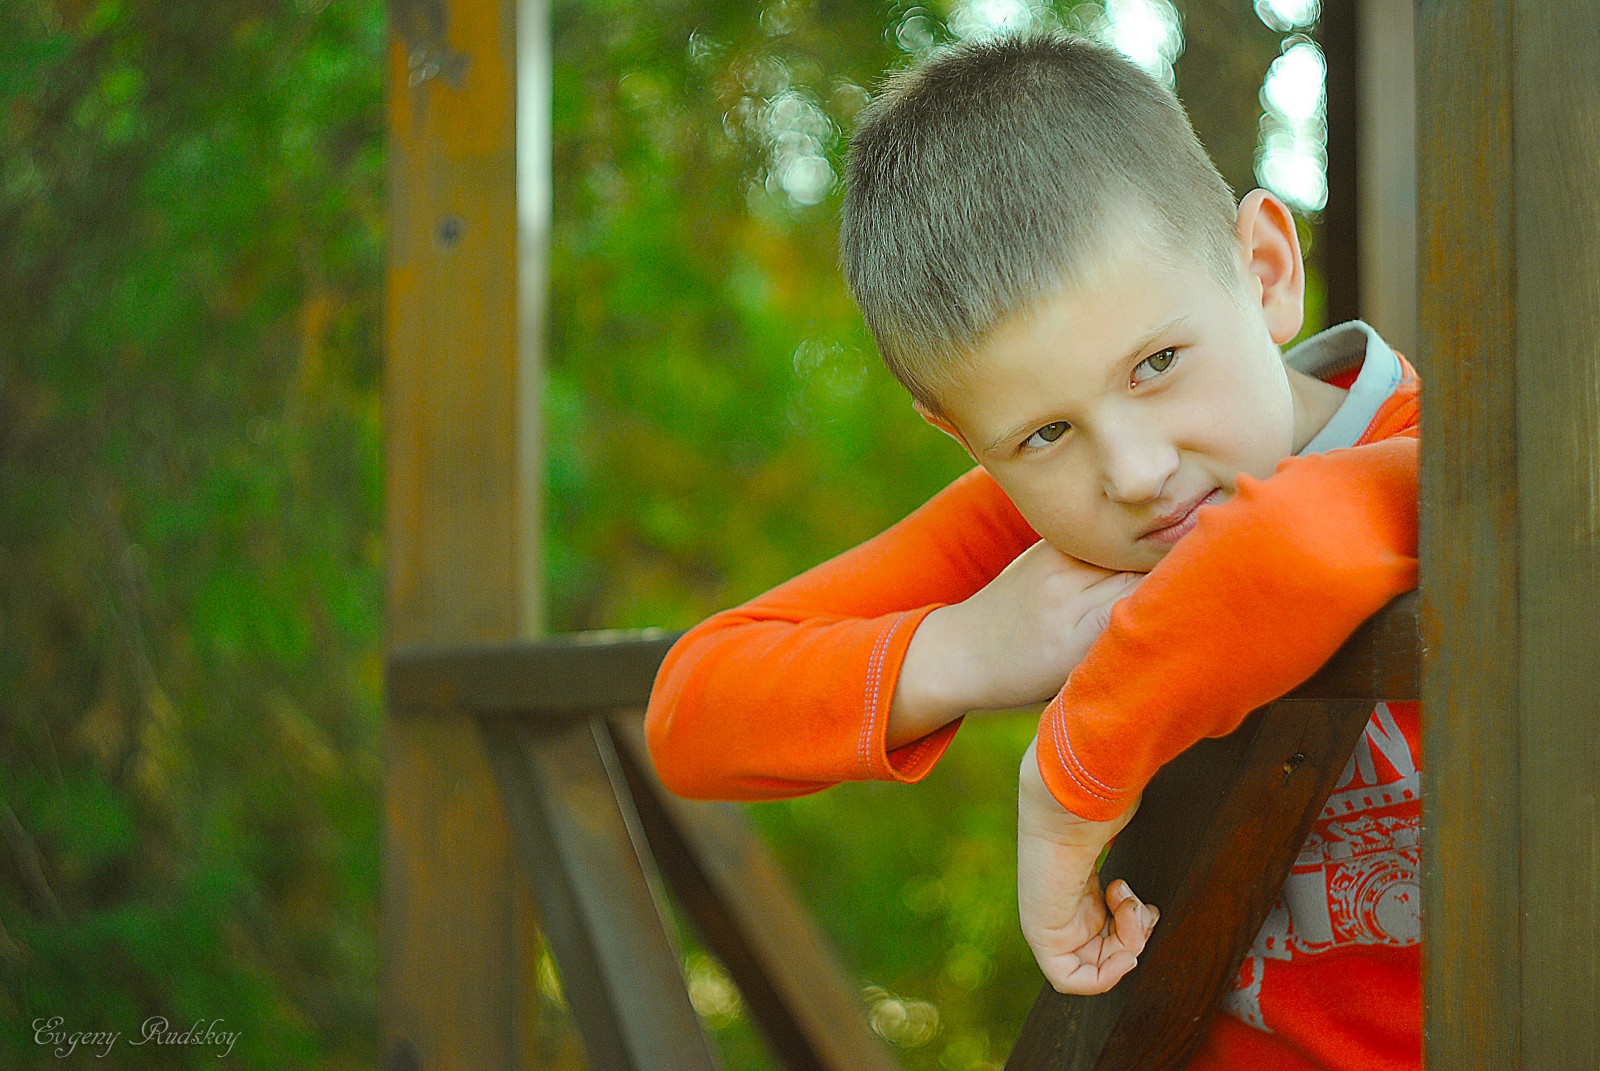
(1339, 349)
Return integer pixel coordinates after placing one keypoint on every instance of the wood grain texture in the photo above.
(1471, 526)
(574, 676)
(451, 966)
(1216, 833)
(740, 902)
(458, 976)
(583, 852)
(1556, 164)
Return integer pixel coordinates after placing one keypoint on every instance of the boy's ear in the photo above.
(1275, 273)
(942, 424)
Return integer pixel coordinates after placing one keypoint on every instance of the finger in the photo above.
(1114, 587)
(1131, 917)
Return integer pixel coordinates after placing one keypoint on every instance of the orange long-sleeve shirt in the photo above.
(790, 692)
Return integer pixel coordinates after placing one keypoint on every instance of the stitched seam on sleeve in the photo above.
(1059, 723)
(1075, 768)
(874, 666)
(916, 754)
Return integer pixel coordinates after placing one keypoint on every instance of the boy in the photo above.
(1055, 270)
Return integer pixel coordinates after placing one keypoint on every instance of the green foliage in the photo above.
(191, 212)
(190, 223)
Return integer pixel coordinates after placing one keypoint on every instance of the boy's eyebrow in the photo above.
(1144, 344)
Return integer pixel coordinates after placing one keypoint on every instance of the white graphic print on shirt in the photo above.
(1357, 880)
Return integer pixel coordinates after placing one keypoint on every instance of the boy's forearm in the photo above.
(933, 688)
(1008, 645)
(793, 691)
(1039, 812)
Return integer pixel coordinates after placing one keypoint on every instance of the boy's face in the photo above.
(1112, 412)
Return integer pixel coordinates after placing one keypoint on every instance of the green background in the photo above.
(191, 247)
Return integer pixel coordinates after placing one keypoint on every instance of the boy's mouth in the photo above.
(1177, 523)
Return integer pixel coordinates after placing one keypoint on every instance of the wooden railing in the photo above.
(596, 834)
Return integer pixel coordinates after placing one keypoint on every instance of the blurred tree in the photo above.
(190, 213)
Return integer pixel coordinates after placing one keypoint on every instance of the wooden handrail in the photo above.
(584, 673)
(1216, 834)
(566, 677)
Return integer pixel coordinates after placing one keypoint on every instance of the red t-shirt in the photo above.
(789, 693)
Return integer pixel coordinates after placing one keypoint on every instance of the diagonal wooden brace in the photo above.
(580, 844)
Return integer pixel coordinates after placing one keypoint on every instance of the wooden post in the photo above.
(1369, 230)
(1386, 162)
(1508, 151)
(461, 510)
(1340, 238)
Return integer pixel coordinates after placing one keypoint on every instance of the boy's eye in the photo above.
(1046, 435)
(1155, 364)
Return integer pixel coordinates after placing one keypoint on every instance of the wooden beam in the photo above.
(1338, 238)
(1367, 239)
(1510, 311)
(1213, 851)
(740, 902)
(1386, 169)
(583, 851)
(574, 676)
(461, 491)
(1556, 143)
(569, 676)
(1470, 570)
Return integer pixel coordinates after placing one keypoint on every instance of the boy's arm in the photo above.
(1084, 938)
(793, 690)
(1247, 606)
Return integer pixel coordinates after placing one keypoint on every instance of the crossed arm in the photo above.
(862, 667)
(1227, 623)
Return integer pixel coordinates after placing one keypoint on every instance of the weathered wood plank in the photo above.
(451, 969)
(562, 677)
(574, 676)
(1556, 162)
(1212, 851)
(583, 851)
(1471, 508)
(1386, 136)
(1338, 246)
(460, 496)
(739, 900)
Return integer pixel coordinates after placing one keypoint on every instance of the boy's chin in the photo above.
(1138, 558)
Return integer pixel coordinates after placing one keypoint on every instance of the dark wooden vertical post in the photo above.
(1508, 148)
(461, 493)
(1386, 89)
(1367, 241)
(1339, 244)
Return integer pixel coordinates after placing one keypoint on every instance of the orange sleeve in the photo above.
(789, 693)
(1247, 606)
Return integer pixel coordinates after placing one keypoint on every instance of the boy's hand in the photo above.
(1011, 644)
(1084, 940)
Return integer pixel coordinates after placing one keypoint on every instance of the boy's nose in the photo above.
(1135, 467)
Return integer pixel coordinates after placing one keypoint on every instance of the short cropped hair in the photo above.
(993, 174)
